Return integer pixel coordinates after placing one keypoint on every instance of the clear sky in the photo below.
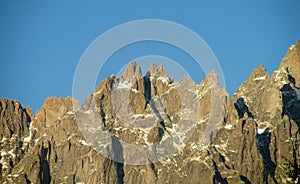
(41, 42)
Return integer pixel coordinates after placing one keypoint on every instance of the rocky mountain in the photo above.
(152, 129)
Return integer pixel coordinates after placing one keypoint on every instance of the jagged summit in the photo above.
(132, 71)
(186, 77)
(212, 77)
(255, 137)
(259, 73)
(292, 57)
(256, 80)
(157, 71)
(290, 64)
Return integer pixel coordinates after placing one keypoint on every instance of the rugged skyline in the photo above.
(41, 42)
(253, 137)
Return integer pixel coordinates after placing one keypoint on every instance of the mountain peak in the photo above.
(257, 79)
(186, 77)
(113, 125)
(212, 78)
(291, 62)
(292, 57)
(259, 71)
(132, 71)
(157, 71)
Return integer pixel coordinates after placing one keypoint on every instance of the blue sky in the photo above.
(41, 42)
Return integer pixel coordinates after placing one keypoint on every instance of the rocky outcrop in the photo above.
(291, 63)
(187, 132)
(132, 71)
(157, 71)
(14, 135)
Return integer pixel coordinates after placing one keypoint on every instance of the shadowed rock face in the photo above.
(242, 108)
(254, 137)
(291, 102)
(263, 141)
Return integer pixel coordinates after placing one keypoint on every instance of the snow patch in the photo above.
(83, 142)
(159, 171)
(124, 85)
(37, 140)
(292, 47)
(70, 137)
(70, 112)
(165, 160)
(98, 92)
(277, 73)
(143, 116)
(135, 91)
(4, 139)
(11, 152)
(260, 78)
(260, 130)
(164, 79)
(278, 77)
(228, 127)
(3, 153)
(5, 165)
(194, 146)
(198, 159)
(87, 112)
(29, 137)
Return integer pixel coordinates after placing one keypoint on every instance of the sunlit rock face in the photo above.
(152, 129)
